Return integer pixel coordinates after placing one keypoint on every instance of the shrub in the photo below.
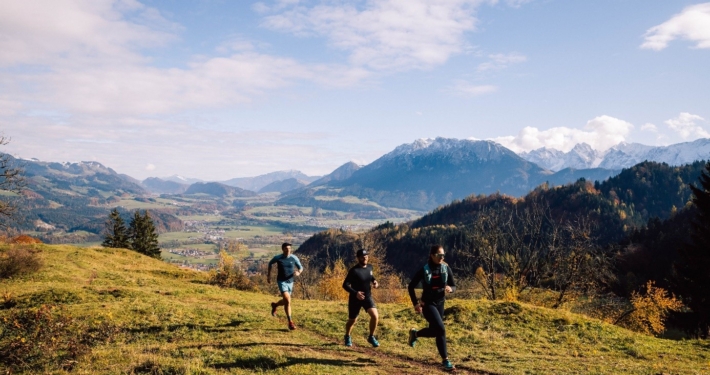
(391, 289)
(330, 285)
(649, 310)
(18, 260)
(24, 239)
(45, 337)
(229, 275)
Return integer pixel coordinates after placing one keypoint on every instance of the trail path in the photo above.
(324, 350)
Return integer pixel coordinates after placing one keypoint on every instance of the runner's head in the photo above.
(286, 248)
(436, 253)
(362, 257)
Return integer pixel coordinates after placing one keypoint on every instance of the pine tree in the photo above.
(116, 231)
(693, 268)
(144, 239)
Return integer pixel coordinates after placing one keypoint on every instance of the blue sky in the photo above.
(221, 89)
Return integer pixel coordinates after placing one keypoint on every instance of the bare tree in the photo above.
(488, 241)
(579, 264)
(11, 180)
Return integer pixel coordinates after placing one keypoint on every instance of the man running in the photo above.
(286, 264)
(357, 283)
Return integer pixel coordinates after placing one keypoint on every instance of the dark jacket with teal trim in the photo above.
(434, 292)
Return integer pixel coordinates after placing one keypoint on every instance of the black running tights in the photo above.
(434, 315)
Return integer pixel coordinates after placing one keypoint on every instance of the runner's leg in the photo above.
(286, 302)
(353, 311)
(433, 314)
(374, 318)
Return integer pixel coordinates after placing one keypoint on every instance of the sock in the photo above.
(289, 318)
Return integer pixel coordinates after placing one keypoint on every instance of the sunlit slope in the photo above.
(175, 323)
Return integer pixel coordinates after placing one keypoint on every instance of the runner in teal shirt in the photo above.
(288, 267)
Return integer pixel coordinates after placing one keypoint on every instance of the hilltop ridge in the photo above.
(171, 321)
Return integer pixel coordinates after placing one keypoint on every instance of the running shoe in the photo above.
(291, 326)
(447, 365)
(273, 309)
(412, 337)
(373, 341)
(348, 340)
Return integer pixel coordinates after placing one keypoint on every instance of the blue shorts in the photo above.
(285, 286)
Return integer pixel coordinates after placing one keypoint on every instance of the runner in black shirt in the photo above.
(357, 283)
(437, 280)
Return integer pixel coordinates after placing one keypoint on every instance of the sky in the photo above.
(218, 89)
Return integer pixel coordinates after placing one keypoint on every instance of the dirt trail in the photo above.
(375, 360)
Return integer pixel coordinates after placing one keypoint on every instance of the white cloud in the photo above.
(693, 24)
(649, 127)
(150, 167)
(386, 34)
(601, 133)
(91, 61)
(685, 125)
(40, 32)
(501, 61)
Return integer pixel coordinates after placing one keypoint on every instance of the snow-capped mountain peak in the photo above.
(623, 155)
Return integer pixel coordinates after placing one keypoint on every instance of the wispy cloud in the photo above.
(692, 24)
(469, 89)
(686, 126)
(649, 127)
(501, 61)
(386, 34)
(600, 132)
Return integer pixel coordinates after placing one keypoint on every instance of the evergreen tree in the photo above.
(693, 269)
(116, 231)
(144, 239)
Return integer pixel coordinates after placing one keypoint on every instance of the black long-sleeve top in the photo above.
(435, 292)
(359, 279)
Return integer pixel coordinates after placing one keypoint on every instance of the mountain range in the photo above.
(421, 175)
(623, 155)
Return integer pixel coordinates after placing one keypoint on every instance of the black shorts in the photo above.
(354, 306)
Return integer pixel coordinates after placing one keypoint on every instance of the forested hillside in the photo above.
(617, 234)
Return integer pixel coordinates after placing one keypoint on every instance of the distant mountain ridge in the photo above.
(258, 182)
(623, 155)
(218, 189)
(430, 172)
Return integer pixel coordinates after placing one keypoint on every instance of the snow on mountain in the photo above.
(454, 148)
(623, 155)
(582, 156)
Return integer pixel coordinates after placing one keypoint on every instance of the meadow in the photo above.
(168, 320)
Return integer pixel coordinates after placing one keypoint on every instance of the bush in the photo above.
(229, 275)
(40, 338)
(330, 285)
(650, 310)
(18, 260)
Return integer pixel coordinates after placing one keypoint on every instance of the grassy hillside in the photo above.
(171, 322)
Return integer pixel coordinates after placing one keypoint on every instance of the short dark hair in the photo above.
(435, 249)
(284, 245)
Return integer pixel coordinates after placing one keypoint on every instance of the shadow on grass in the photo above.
(267, 363)
(175, 327)
(246, 345)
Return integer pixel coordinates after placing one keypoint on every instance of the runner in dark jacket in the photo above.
(437, 280)
(357, 283)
